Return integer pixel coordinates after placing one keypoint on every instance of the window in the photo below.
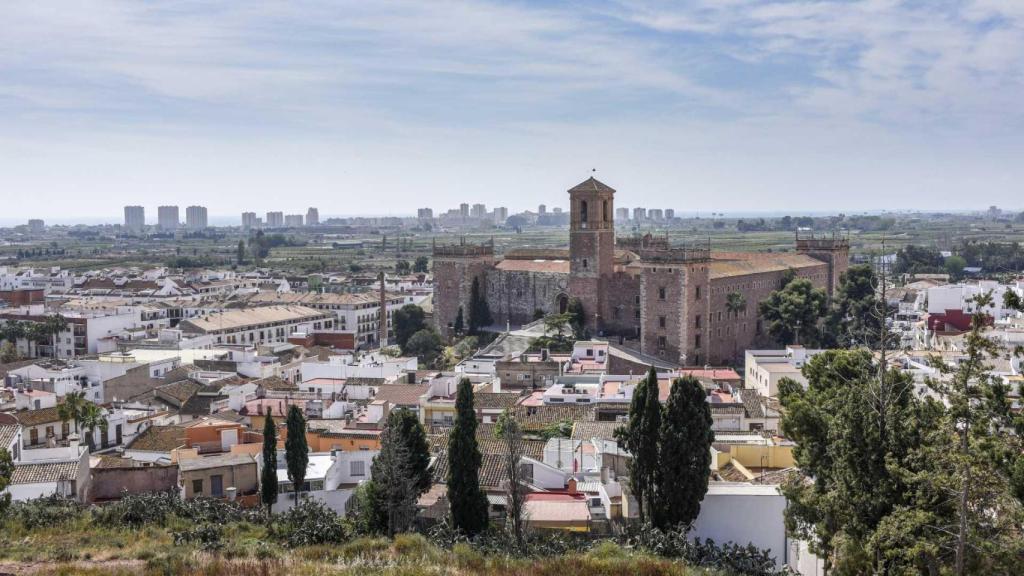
(583, 212)
(607, 217)
(526, 471)
(585, 263)
(696, 341)
(696, 292)
(661, 293)
(661, 321)
(696, 321)
(662, 343)
(636, 299)
(197, 487)
(358, 468)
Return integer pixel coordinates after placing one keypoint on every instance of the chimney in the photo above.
(572, 486)
(545, 353)
(382, 323)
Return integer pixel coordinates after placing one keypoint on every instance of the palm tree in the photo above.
(735, 303)
(72, 408)
(93, 417)
(53, 326)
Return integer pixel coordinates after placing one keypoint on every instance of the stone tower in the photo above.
(455, 266)
(833, 250)
(591, 246)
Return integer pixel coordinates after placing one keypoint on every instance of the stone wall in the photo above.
(514, 296)
(113, 483)
(454, 269)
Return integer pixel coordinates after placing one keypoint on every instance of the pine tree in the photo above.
(399, 473)
(296, 449)
(685, 449)
(268, 476)
(240, 253)
(640, 438)
(468, 503)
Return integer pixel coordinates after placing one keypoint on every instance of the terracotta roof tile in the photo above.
(44, 472)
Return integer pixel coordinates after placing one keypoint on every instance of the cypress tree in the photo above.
(479, 311)
(640, 438)
(296, 449)
(268, 476)
(468, 503)
(685, 449)
(459, 322)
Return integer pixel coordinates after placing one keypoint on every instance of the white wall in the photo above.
(744, 513)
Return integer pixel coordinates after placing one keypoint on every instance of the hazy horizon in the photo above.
(380, 108)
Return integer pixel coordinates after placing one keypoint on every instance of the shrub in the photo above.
(209, 537)
(138, 510)
(45, 512)
(307, 523)
(733, 558)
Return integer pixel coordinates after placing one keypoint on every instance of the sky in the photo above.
(382, 107)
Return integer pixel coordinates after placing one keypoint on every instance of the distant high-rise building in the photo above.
(134, 218)
(167, 218)
(622, 214)
(312, 217)
(542, 209)
(464, 210)
(249, 220)
(655, 214)
(639, 214)
(500, 215)
(36, 226)
(425, 213)
(275, 219)
(557, 210)
(670, 214)
(195, 218)
(293, 220)
(478, 211)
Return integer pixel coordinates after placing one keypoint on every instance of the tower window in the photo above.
(661, 321)
(583, 211)
(661, 293)
(607, 216)
(585, 263)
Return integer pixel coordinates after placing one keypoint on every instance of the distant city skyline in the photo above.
(367, 108)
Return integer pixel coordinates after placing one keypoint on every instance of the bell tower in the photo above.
(591, 246)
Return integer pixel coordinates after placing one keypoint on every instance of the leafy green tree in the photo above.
(407, 320)
(479, 311)
(296, 448)
(399, 473)
(857, 315)
(421, 265)
(6, 471)
(685, 454)
(955, 266)
(468, 503)
(425, 345)
(240, 253)
(268, 475)
(640, 438)
(855, 428)
(793, 313)
(556, 323)
(402, 267)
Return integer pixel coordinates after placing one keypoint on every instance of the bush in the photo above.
(44, 512)
(308, 523)
(137, 510)
(733, 558)
(209, 537)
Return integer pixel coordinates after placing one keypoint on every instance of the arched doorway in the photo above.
(562, 302)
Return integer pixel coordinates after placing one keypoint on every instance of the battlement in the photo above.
(663, 253)
(647, 241)
(464, 250)
(809, 241)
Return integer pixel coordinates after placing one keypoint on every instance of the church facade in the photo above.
(675, 301)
